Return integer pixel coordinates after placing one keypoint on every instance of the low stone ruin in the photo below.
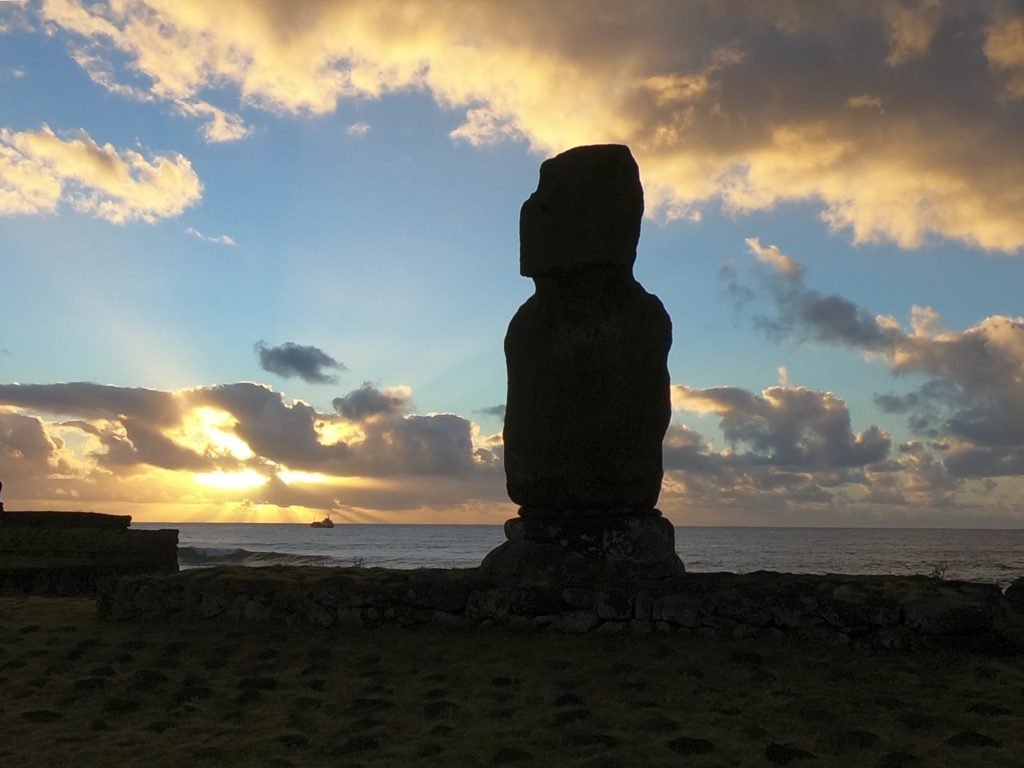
(67, 553)
(588, 385)
(878, 611)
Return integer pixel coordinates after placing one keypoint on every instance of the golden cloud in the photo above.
(1004, 47)
(39, 169)
(231, 445)
(771, 255)
(755, 104)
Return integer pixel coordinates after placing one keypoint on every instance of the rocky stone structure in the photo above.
(886, 611)
(68, 553)
(588, 385)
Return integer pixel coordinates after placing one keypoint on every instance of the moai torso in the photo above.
(588, 387)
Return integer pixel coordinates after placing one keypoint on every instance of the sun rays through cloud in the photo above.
(259, 258)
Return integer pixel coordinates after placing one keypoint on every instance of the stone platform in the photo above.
(584, 547)
(885, 611)
(66, 553)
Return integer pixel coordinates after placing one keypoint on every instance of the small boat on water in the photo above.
(325, 523)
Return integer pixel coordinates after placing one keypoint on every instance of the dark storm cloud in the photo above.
(368, 400)
(290, 359)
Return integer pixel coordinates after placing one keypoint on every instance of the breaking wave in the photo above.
(208, 557)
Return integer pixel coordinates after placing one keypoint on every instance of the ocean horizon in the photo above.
(972, 554)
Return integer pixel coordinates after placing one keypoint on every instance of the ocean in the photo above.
(994, 556)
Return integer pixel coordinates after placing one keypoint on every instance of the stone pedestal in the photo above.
(581, 547)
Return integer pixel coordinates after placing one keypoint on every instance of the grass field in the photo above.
(77, 691)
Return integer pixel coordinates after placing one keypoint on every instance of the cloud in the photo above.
(1004, 47)
(283, 433)
(360, 404)
(437, 444)
(789, 449)
(26, 449)
(792, 456)
(291, 359)
(772, 256)
(219, 239)
(13, 17)
(789, 427)
(494, 410)
(485, 126)
(358, 129)
(242, 451)
(748, 103)
(101, 71)
(39, 170)
(93, 401)
(241, 442)
(973, 399)
(911, 28)
(971, 405)
(864, 101)
(803, 311)
(138, 442)
(221, 126)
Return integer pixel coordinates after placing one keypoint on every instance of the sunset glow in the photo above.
(232, 481)
(309, 478)
(259, 259)
(207, 429)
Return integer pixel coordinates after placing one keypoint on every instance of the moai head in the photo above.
(586, 212)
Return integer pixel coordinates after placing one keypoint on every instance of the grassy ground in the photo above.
(76, 691)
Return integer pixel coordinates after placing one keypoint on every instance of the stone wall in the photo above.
(67, 553)
(884, 611)
(55, 519)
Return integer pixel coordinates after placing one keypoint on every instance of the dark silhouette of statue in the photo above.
(588, 386)
(1, 491)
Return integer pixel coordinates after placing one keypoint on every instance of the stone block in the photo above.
(682, 610)
(574, 622)
(489, 604)
(613, 604)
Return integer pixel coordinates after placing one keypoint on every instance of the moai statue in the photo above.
(588, 386)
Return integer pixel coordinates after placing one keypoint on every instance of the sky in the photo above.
(257, 259)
